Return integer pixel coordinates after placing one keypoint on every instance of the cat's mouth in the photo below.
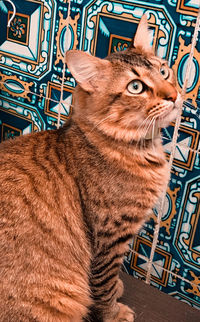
(170, 112)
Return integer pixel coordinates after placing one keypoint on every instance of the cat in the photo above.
(72, 198)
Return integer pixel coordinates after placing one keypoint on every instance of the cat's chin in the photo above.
(165, 122)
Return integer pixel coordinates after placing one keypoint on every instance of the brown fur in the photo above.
(72, 198)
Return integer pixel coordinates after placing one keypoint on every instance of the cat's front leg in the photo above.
(105, 298)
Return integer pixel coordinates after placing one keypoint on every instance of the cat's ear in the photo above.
(142, 38)
(85, 68)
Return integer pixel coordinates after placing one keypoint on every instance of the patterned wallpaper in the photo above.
(31, 65)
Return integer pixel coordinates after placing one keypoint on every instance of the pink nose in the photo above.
(171, 96)
(167, 91)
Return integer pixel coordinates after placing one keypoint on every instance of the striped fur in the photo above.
(72, 198)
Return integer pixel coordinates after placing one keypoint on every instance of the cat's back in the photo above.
(40, 220)
(31, 157)
(23, 163)
(34, 177)
(24, 147)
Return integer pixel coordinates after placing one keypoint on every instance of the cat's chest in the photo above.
(117, 202)
(115, 191)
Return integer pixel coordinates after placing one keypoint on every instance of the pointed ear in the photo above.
(142, 38)
(85, 68)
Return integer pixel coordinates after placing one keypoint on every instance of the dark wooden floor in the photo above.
(152, 305)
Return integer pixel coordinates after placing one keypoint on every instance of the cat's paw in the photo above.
(125, 314)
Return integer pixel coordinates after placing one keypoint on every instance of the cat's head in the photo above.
(129, 94)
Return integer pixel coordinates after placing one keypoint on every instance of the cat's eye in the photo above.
(164, 72)
(135, 87)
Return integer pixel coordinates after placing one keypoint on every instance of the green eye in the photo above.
(164, 72)
(135, 87)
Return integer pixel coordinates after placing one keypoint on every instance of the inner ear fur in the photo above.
(85, 68)
(142, 37)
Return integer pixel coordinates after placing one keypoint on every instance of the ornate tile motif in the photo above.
(66, 39)
(119, 18)
(9, 118)
(19, 30)
(188, 7)
(25, 46)
(187, 240)
(52, 104)
(189, 138)
(162, 260)
(180, 69)
(31, 66)
(9, 132)
(15, 86)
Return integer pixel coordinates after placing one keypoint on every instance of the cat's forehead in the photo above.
(131, 58)
(157, 61)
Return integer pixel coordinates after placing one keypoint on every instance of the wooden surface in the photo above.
(152, 305)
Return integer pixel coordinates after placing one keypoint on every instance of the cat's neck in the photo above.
(144, 152)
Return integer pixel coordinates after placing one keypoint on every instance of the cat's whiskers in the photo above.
(107, 117)
(153, 132)
(141, 140)
(148, 128)
(161, 112)
(143, 124)
(145, 131)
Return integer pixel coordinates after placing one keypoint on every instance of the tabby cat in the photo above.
(72, 198)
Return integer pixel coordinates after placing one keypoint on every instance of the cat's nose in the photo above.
(171, 96)
(167, 91)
